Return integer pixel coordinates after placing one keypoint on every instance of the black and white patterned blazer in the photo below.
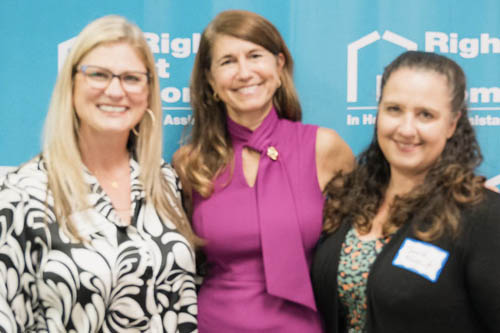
(137, 278)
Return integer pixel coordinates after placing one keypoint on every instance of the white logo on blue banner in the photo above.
(63, 49)
(424, 259)
(352, 59)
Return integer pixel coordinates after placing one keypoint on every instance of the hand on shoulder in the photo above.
(491, 187)
(332, 155)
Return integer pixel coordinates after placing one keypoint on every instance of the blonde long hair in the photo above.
(209, 149)
(60, 140)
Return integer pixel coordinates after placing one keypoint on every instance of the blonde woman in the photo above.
(92, 235)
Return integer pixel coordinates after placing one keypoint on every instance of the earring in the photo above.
(151, 114)
(153, 119)
(216, 97)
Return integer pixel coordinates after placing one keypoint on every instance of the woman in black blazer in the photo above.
(412, 236)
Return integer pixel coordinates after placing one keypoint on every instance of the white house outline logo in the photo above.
(352, 57)
(63, 49)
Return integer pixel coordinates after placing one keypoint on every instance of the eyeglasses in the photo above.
(100, 78)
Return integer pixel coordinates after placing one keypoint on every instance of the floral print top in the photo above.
(356, 258)
(136, 278)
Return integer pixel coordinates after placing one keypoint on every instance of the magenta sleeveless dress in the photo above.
(253, 285)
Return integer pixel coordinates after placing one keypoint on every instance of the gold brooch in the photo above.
(272, 153)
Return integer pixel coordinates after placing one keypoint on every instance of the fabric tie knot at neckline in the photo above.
(286, 269)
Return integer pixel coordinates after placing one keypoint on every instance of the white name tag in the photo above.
(422, 258)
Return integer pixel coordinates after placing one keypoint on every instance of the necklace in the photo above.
(113, 182)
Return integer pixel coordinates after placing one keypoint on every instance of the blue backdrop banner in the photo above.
(340, 49)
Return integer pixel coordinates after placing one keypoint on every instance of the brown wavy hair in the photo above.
(449, 185)
(209, 147)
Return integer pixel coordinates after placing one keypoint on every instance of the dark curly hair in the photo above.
(449, 185)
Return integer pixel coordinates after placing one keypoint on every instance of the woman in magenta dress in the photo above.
(254, 177)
